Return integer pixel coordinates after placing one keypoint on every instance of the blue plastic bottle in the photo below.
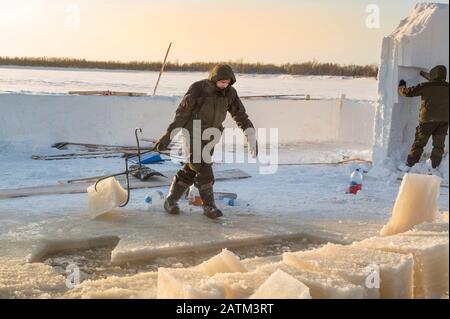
(235, 202)
(154, 199)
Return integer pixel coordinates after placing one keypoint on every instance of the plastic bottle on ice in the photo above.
(356, 181)
(154, 199)
(194, 196)
(235, 202)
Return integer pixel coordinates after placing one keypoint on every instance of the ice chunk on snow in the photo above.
(280, 285)
(417, 202)
(139, 286)
(19, 279)
(321, 286)
(108, 196)
(381, 274)
(431, 258)
(176, 283)
(225, 262)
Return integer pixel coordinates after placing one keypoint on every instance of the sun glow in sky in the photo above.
(250, 30)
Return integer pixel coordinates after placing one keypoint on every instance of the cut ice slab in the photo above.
(381, 274)
(431, 258)
(321, 285)
(241, 285)
(225, 262)
(176, 283)
(417, 202)
(280, 285)
(109, 195)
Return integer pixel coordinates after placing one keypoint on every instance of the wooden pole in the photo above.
(162, 69)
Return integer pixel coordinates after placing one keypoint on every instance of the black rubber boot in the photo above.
(209, 206)
(177, 189)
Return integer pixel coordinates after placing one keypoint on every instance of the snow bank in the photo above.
(419, 42)
(46, 119)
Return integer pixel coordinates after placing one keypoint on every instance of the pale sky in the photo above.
(269, 31)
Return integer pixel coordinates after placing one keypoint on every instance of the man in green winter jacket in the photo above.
(433, 115)
(207, 101)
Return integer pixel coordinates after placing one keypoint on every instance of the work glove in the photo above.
(402, 83)
(163, 143)
(252, 142)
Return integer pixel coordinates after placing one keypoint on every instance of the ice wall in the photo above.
(419, 42)
(46, 119)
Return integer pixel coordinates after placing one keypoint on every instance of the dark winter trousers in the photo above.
(437, 130)
(199, 173)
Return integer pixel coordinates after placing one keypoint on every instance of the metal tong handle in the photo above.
(127, 171)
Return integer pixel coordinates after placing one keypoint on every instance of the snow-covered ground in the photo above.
(296, 199)
(302, 193)
(52, 81)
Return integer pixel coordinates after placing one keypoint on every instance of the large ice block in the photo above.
(241, 285)
(280, 285)
(381, 274)
(109, 195)
(321, 285)
(224, 262)
(417, 202)
(431, 258)
(176, 283)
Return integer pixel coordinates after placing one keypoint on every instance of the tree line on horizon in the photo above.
(305, 68)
